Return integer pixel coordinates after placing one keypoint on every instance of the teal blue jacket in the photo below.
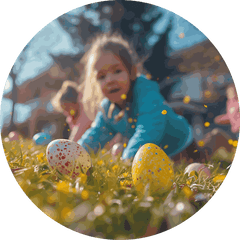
(147, 119)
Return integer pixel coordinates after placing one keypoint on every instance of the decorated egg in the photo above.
(199, 168)
(68, 157)
(152, 165)
(13, 136)
(42, 138)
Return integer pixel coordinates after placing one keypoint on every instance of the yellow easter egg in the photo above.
(152, 165)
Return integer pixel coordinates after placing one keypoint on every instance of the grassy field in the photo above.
(106, 204)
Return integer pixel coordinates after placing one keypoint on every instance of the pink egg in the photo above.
(199, 168)
(13, 136)
(68, 157)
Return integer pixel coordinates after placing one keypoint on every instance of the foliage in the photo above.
(105, 204)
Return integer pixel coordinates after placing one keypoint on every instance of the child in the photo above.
(132, 105)
(68, 101)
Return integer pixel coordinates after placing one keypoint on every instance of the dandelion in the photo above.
(99, 163)
(65, 213)
(83, 178)
(115, 168)
(187, 191)
(219, 178)
(63, 186)
(84, 194)
(104, 150)
(125, 174)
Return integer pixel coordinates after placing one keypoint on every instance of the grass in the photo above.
(106, 204)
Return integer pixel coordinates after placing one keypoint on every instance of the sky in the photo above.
(53, 39)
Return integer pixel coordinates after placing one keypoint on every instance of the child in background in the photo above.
(68, 101)
(132, 105)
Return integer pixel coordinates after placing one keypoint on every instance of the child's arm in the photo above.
(98, 135)
(150, 122)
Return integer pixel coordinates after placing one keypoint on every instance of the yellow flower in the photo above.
(205, 105)
(124, 145)
(123, 96)
(187, 191)
(13, 148)
(165, 147)
(219, 178)
(83, 178)
(125, 174)
(100, 162)
(133, 126)
(206, 124)
(115, 168)
(193, 174)
(186, 99)
(21, 146)
(188, 182)
(235, 143)
(164, 112)
(230, 141)
(121, 183)
(63, 186)
(103, 151)
(65, 213)
(84, 194)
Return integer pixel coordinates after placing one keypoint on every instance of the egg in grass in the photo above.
(152, 166)
(68, 157)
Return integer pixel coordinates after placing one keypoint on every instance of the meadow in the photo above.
(105, 204)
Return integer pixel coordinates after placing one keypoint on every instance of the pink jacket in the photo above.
(232, 116)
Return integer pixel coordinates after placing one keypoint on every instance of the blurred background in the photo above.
(192, 74)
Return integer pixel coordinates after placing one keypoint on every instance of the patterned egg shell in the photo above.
(68, 157)
(199, 168)
(42, 138)
(152, 165)
(13, 136)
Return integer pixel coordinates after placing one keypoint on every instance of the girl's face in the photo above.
(70, 108)
(113, 77)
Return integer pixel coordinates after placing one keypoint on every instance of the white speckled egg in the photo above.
(199, 168)
(152, 165)
(68, 157)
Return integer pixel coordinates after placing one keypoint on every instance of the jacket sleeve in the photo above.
(98, 135)
(150, 122)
